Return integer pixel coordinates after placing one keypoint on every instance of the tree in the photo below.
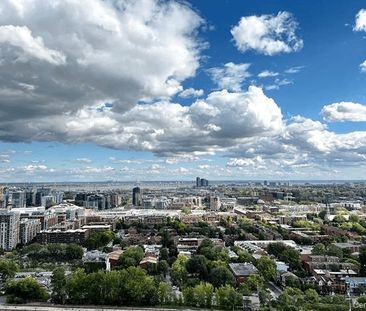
(335, 251)
(58, 283)
(254, 283)
(99, 239)
(7, 270)
(179, 271)
(244, 256)
(354, 218)
(227, 298)
(166, 239)
(188, 296)
(76, 287)
(163, 267)
(164, 254)
(74, 251)
(362, 259)
(319, 249)
(25, 290)
(266, 268)
(164, 293)
(198, 265)
(203, 295)
(221, 276)
(179, 226)
(311, 296)
(132, 256)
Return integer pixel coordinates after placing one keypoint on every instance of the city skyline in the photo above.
(155, 90)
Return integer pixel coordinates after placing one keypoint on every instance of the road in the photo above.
(73, 308)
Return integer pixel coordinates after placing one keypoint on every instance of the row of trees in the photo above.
(53, 252)
(134, 287)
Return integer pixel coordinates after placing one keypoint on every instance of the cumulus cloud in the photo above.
(30, 47)
(267, 34)
(191, 92)
(304, 144)
(256, 162)
(360, 24)
(344, 111)
(230, 76)
(73, 55)
(165, 128)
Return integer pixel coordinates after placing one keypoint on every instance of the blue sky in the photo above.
(230, 89)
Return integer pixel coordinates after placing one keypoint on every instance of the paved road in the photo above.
(75, 308)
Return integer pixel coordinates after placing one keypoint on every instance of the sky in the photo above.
(140, 90)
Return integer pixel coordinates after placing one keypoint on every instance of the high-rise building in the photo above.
(28, 230)
(215, 203)
(198, 182)
(201, 182)
(204, 182)
(17, 199)
(3, 197)
(9, 229)
(136, 196)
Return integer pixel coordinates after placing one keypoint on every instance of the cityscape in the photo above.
(166, 155)
(252, 246)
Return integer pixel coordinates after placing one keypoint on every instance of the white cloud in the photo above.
(267, 34)
(5, 158)
(191, 92)
(71, 55)
(83, 160)
(30, 47)
(165, 128)
(267, 73)
(304, 144)
(277, 83)
(256, 162)
(344, 111)
(293, 70)
(360, 24)
(363, 66)
(33, 168)
(230, 76)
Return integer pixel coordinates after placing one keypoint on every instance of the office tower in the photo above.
(198, 182)
(17, 199)
(201, 182)
(204, 182)
(41, 193)
(29, 198)
(9, 229)
(136, 196)
(47, 201)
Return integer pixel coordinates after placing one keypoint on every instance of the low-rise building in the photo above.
(78, 236)
(242, 271)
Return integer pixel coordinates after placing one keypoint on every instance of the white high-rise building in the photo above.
(29, 229)
(9, 229)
